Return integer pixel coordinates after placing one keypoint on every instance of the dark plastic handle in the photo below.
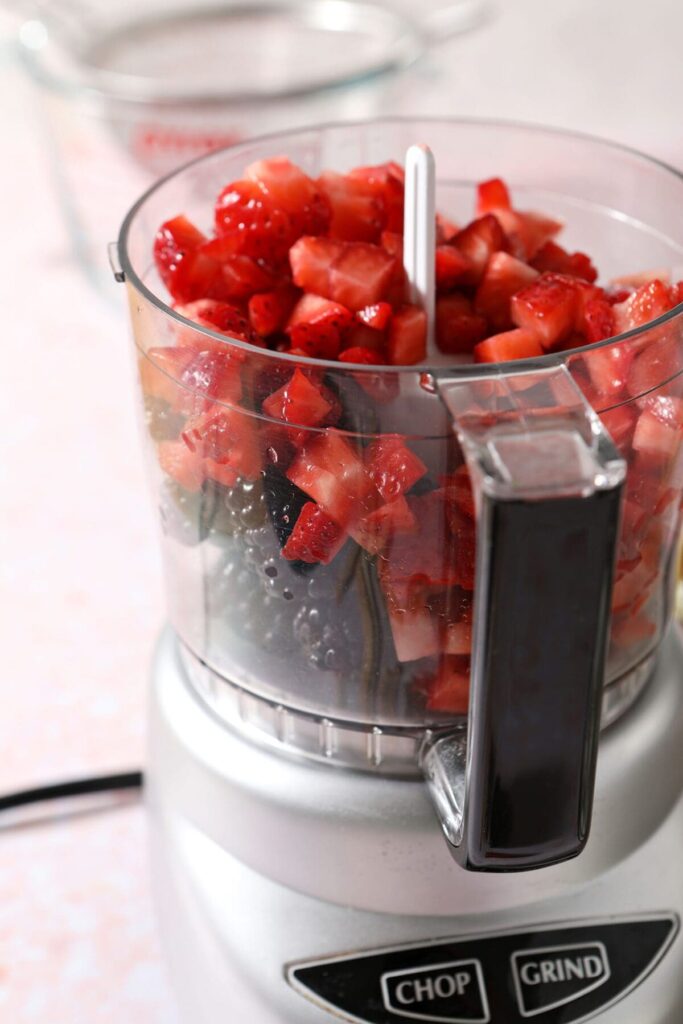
(518, 793)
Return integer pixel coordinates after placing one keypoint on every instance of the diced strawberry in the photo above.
(219, 316)
(647, 303)
(414, 630)
(655, 438)
(317, 326)
(358, 354)
(458, 493)
(598, 321)
(446, 229)
(608, 368)
(552, 257)
(492, 195)
(478, 241)
(392, 242)
(361, 275)
(290, 189)
(631, 586)
(620, 424)
(226, 436)
(518, 344)
(407, 340)
(676, 292)
(547, 307)
(388, 182)
(270, 311)
(527, 231)
(376, 316)
(161, 369)
(358, 210)
(182, 465)
(360, 336)
(331, 472)
(632, 629)
(458, 638)
(450, 690)
(311, 260)
(458, 328)
(658, 362)
(616, 295)
(503, 277)
(375, 530)
(452, 266)
(435, 555)
(315, 537)
(174, 245)
(211, 375)
(298, 401)
(252, 224)
(392, 466)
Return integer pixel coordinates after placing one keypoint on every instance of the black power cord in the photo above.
(74, 788)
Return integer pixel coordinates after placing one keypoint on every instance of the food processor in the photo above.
(438, 778)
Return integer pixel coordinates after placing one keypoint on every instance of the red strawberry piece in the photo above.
(503, 277)
(458, 493)
(233, 277)
(552, 257)
(647, 303)
(620, 423)
(492, 195)
(452, 266)
(477, 242)
(211, 376)
(174, 245)
(298, 401)
(414, 627)
(598, 321)
(656, 439)
(435, 555)
(311, 260)
(376, 316)
(331, 472)
(392, 466)
(361, 336)
(388, 182)
(407, 340)
(446, 229)
(228, 438)
(658, 362)
(616, 295)
(458, 639)
(392, 242)
(458, 327)
(548, 307)
(358, 210)
(291, 190)
(358, 354)
(450, 690)
(677, 293)
(668, 409)
(316, 538)
(270, 311)
(608, 368)
(182, 465)
(527, 231)
(161, 370)
(219, 316)
(375, 530)
(252, 225)
(361, 275)
(499, 348)
(318, 325)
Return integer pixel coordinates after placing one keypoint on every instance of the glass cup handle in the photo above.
(514, 790)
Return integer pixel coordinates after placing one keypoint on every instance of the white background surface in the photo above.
(80, 593)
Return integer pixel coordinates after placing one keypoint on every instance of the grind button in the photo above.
(453, 993)
(547, 978)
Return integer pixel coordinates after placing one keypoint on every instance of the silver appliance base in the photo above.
(260, 861)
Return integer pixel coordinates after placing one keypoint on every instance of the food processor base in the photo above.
(264, 866)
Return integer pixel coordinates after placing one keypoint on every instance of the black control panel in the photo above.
(555, 975)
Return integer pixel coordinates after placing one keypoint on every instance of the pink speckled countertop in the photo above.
(79, 578)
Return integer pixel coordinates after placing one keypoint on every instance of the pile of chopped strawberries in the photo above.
(314, 268)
